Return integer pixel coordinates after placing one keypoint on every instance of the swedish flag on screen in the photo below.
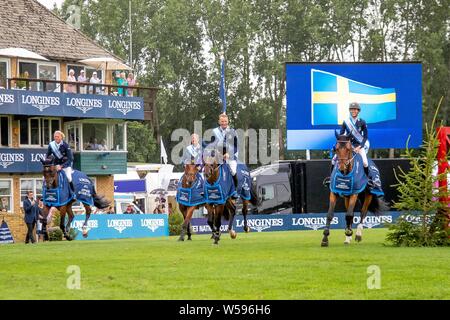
(331, 95)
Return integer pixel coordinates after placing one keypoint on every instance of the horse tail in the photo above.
(378, 205)
(101, 202)
(253, 197)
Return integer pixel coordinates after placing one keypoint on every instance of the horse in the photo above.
(220, 202)
(371, 202)
(55, 183)
(190, 196)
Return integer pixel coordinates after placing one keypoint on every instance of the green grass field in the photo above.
(271, 265)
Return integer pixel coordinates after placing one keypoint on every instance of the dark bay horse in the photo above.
(52, 181)
(346, 161)
(190, 182)
(213, 172)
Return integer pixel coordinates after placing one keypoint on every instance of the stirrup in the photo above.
(326, 182)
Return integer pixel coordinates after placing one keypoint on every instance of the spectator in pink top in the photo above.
(71, 88)
(131, 82)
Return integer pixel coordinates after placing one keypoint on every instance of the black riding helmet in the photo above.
(354, 105)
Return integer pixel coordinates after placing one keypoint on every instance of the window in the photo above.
(38, 131)
(4, 73)
(41, 70)
(268, 192)
(26, 185)
(6, 195)
(5, 131)
(93, 135)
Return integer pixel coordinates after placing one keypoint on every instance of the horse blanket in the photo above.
(356, 180)
(192, 196)
(60, 196)
(222, 189)
(84, 188)
(57, 197)
(244, 181)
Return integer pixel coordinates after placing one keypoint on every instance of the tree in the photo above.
(419, 193)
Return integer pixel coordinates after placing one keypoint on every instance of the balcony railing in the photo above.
(74, 87)
(147, 93)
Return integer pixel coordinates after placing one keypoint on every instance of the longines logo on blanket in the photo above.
(40, 102)
(120, 225)
(6, 98)
(7, 159)
(92, 224)
(124, 106)
(313, 223)
(260, 224)
(152, 224)
(371, 221)
(84, 104)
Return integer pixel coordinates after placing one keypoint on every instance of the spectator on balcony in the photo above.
(122, 81)
(95, 80)
(71, 88)
(102, 146)
(131, 82)
(82, 78)
(93, 144)
(129, 210)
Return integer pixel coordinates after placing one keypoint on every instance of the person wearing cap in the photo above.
(82, 78)
(95, 80)
(356, 128)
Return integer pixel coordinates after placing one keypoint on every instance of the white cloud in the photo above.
(49, 3)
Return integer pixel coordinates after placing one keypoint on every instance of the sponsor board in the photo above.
(285, 222)
(107, 226)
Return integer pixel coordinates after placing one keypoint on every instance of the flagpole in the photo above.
(222, 90)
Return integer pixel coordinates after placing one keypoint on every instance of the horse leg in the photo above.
(330, 215)
(210, 209)
(231, 207)
(364, 210)
(349, 218)
(218, 222)
(187, 213)
(71, 216)
(189, 233)
(62, 226)
(183, 231)
(244, 213)
(88, 215)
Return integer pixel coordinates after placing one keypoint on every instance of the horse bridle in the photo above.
(347, 160)
(51, 172)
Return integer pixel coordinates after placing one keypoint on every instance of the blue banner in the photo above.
(114, 226)
(125, 186)
(318, 97)
(21, 160)
(34, 103)
(285, 222)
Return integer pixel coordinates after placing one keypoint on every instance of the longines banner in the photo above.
(34, 103)
(21, 160)
(112, 226)
(285, 222)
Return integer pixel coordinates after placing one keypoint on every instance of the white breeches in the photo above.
(68, 172)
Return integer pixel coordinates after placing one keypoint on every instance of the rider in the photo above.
(227, 137)
(193, 152)
(357, 129)
(62, 155)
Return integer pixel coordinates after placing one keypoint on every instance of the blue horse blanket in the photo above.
(57, 197)
(192, 196)
(356, 180)
(222, 189)
(244, 181)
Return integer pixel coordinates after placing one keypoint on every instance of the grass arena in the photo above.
(271, 265)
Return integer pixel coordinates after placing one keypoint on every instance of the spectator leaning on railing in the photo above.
(82, 78)
(71, 88)
(95, 80)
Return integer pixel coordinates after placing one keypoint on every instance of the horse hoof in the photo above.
(180, 239)
(324, 244)
(233, 234)
(358, 238)
(247, 229)
(189, 239)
